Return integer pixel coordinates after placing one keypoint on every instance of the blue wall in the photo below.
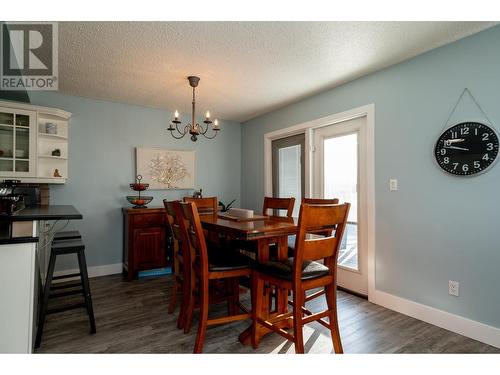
(102, 138)
(436, 227)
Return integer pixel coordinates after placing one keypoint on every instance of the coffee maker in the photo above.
(14, 197)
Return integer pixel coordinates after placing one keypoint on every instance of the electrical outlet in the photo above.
(393, 184)
(453, 288)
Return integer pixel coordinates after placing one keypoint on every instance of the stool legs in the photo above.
(86, 289)
(45, 302)
(60, 248)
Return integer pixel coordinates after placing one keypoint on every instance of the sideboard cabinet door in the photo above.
(145, 240)
(149, 248)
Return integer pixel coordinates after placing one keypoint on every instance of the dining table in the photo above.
(265, 231)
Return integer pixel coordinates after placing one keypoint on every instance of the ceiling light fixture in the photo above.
(194, 128)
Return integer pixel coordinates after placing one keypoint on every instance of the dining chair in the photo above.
(320, 201)
(250, 248)
(182, 269)
(276, 204)
(205, 206)
(216, 265)
(315, 201)
(303, 272)
(291, 246)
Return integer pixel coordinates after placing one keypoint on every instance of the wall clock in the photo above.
(467, 148)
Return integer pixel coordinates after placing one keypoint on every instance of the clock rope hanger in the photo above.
(467, 148)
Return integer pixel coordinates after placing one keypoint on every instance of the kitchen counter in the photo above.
(21, 267)
(50, 212)
(34, 214)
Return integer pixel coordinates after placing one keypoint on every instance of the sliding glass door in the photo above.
(288, 168)
(338, 160)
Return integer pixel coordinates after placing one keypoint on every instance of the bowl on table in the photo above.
(139, 202)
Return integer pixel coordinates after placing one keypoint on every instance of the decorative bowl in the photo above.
(138, 201)
(139, 186)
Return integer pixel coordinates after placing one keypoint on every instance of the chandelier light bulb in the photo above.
(176, 114)
(207, 115)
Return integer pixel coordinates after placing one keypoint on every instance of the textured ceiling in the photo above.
(246, 68)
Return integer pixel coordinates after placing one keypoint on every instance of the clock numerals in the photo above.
(467, 148)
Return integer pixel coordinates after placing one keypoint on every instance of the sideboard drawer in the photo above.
(150, 220)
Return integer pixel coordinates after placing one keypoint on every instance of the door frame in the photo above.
(307, 128)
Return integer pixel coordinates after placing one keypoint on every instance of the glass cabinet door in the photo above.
(17, 135)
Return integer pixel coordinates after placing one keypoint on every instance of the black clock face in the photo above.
(467, 148)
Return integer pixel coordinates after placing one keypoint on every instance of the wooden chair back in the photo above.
(172, 209)
(193, 231)
(315, 218)
(182, 250)
(271, 203)
(320, 201)
(205, 206)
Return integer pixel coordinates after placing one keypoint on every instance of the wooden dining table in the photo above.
(264, 231)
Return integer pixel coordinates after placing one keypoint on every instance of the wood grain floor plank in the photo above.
(132, 317)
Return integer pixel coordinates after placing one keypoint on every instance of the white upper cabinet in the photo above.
(33, 143)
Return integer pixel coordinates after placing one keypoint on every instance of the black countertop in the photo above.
(34, 213)
(50, 212)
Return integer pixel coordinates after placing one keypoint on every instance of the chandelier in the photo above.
(194, 128)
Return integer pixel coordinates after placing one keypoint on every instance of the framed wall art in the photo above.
(166, 169)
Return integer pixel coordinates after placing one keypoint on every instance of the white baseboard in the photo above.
(95, 271)
(470, 328)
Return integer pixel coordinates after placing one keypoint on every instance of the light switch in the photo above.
(393, 184)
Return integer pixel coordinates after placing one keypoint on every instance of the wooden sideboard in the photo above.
(145, 242)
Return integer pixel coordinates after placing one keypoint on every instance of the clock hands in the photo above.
(457, 148)
(449, 142)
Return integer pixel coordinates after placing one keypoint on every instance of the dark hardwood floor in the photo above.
(132, 317)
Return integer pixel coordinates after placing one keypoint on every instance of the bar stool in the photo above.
(67, 235)
(66, 243)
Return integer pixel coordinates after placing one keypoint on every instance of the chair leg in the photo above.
(188, 320)
(257, 299)
(173, 296)
(331, 300)
(202, 325)
(186, 296)
(236, 295)
(228, 290)
(181, 319)
(298, 302)
(45, 302)
(86, 289)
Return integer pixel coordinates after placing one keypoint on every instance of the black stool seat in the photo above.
(67, 235)
(68, 245)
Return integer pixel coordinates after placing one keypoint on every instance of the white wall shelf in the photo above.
(52, 157)
(31, 121)
(55, 136)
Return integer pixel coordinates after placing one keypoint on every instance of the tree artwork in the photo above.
(168, 169)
